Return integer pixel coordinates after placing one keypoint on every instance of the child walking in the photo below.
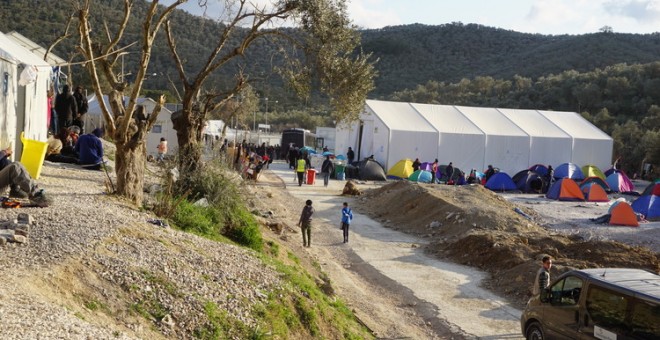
(346, 217)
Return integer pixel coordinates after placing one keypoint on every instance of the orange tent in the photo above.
(623, 214)
(594, 193)
(565, 189)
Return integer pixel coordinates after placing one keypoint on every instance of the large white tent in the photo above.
(23, 95)
(472, 137)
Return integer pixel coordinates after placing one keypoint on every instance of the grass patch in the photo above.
(221, 325)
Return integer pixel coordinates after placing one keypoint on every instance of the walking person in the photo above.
(346, 218)
(326, 169)
(305, 223)
(301, 166)
(434, 170)
(542, 280)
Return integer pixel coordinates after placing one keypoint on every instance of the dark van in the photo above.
(606, 303)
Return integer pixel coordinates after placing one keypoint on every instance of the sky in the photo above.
(530, 16)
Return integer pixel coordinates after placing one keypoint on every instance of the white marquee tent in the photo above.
(23, 108)
(472, 137)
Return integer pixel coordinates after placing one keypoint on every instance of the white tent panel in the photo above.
(507, 146)
(549, 144)
(460, 141)
(590, 144)
(346, 135)
(30, 101)
(409, 135)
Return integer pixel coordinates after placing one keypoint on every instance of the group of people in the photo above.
(68, 110)
(448, 173)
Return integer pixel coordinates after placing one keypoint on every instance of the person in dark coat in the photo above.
(350, 155)
(83, 106)
(490, 172)
(90, 150)
(416, 164)
(326, 169)
(66, 107)
(449, 171)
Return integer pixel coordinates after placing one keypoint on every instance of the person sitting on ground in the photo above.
(5, 160)
(472, 178)
(490, 172)
(54, 152)
(90, 149)
(16, 176)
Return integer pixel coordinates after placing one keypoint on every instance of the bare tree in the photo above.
(128, 125)
(326, 37)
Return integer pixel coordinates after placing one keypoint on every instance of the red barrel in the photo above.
(311, 176)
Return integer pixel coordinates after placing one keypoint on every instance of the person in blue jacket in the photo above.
(90, 150)
(346, 217)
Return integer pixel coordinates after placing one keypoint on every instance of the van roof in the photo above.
(637, 280)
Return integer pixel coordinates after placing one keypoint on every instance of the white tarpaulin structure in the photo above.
(163, 126)
(24, 83)
(472, 137)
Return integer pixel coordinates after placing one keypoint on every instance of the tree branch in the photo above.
(60, 38)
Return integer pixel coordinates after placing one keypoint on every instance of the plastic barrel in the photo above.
(311, 176)
(339, 172)
(33, 155)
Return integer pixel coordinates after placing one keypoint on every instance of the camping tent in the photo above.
(539, 169)
(651, 188)
(428, 166)
(23, 95)
(596, 180)
(592, 171)
(371, 170)
(594, 193)
(569, 170)
(619, 182)
(565, 189)
(441, 173)
(623, 214)
(529, 181)
(401, 170)
(420, 176)
(501, 181)
(163, 126)
(649, 203)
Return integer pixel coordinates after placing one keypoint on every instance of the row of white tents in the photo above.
(473, 137)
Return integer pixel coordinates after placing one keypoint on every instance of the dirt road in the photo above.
(393, 286)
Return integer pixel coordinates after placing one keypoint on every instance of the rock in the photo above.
(202, 202)
(168, 321)
(435, 224)
(351, 189)
(3, 241)
(19, 239)
(24, 218)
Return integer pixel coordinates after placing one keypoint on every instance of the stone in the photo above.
(24, 218)
(168, 321)
(435, 224)
(3, 241)
(19, 239)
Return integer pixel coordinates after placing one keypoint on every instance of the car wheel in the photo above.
(535, 332)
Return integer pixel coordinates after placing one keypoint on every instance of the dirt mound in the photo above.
(474, 226)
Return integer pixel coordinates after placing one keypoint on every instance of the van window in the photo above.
(566, 292)
(646, 320)
(607, 308)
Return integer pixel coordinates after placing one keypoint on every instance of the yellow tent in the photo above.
(402, 169)
(592, 171)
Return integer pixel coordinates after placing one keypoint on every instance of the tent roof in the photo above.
(35, 48)
(400, 116)
(11, 51)
(491, 121)
(95, 107)
(439, 115)
(575, 125)
(534, 123)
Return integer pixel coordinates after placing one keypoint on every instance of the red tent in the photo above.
(623, 214)
(594, 193)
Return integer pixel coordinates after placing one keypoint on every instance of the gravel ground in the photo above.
(93, 264)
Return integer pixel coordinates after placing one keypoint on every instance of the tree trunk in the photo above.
(130, 164)
(188, 134)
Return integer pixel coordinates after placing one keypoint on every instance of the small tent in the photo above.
(420, 176)
(622, 214)
(619, 182)
(539, 169)
(442, 169)
(565, 189)
(428, 166)
(596, 180)
(371, 170)
(529, 181)
(569, 170)
(649, 204)
(401, 170)
(501, 181)
(594, 193)
(651, 188)
(592, 171)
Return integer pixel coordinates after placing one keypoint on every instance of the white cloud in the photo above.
(372, 14)
(646, 12)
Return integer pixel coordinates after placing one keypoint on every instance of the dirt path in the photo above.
(394, 288)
